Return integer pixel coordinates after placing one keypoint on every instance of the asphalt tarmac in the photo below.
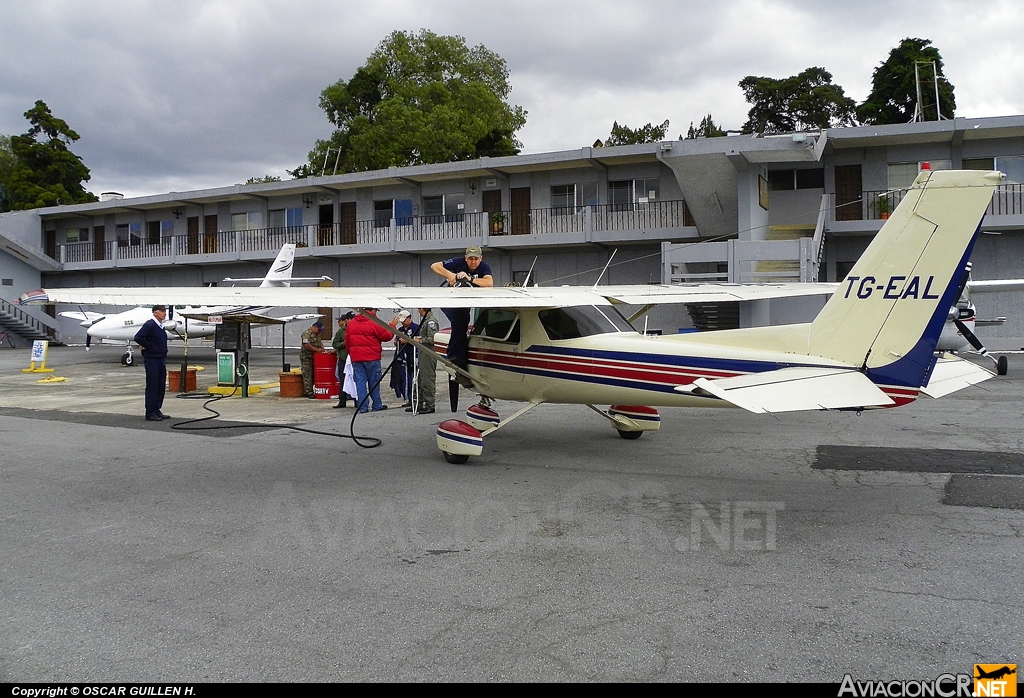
(726, 547)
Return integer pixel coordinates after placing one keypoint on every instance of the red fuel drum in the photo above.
(325, 385)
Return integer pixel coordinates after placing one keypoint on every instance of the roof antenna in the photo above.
(606, 267)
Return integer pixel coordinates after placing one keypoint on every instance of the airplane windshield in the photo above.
(583, 321)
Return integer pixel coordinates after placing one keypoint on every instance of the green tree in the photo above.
(707, 129)
(894, 88)
(46, 173)
(7, 161)
(419, 98)
(265, 179)
(807, 100)
(624, 135)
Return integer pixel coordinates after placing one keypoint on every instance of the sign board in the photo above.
(216, 320)
(39, 350)
(226, 367)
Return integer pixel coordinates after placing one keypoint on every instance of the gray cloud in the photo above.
(182, 95)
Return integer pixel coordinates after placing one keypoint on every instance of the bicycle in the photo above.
(6, 339)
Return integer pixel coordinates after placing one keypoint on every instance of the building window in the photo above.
(448, 208)
(77, 235)
(128, 234)
(1013, 167)
(251, 220)
(382, 212)
(623, 194)
(285, 218)
(563, 199)
(903, 174)
(788, 180)
(979, 163)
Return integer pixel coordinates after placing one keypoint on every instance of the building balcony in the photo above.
(617, 223)
(866, 214)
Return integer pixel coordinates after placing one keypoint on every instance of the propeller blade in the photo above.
(971, 338)
(88, 340)
(453, 394)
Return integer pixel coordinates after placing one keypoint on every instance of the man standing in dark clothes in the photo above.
(153, 340)
(470, 270)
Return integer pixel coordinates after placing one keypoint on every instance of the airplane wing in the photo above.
(435, 297)
(85, 318)
(951, 373)
(995, 285)
(794, 389)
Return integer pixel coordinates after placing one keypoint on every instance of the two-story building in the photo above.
(790, 207)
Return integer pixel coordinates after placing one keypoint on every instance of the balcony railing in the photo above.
(461, 226)
(1007, 200)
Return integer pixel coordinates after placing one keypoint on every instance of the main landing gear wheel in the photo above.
(127, 359)
(1002, 366)
(630, 435)
(455, 459)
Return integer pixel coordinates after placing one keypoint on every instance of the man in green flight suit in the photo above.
(311, 344)
(427, 380)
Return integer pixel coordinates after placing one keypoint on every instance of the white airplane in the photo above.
(873, 345)
(185, 321)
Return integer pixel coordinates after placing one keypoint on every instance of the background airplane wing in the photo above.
(995, 285)
(433, 297)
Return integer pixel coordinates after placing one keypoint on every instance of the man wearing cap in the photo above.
(362, 340)
(470, 270)
(312, 343)
(153, 340)
(342, 354)
(403, 370)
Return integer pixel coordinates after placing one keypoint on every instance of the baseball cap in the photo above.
(404, 314)
(474, 251)
(319, 325)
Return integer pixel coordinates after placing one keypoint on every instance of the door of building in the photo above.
(325, 233)
(99, 237)
(192, 244)
(347, 216)
(210, 234)
(520, 205)
(848, 193)
(492, 207)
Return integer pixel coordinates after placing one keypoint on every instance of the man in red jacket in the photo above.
(363, 338)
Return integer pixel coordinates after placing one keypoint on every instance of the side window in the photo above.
(497, 324)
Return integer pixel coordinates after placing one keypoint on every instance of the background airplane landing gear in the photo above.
(127, 359)
(1002, 366)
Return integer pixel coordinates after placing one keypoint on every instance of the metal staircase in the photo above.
(21, 323)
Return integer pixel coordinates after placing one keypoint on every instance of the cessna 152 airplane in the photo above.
(871, 346)
(184, 321)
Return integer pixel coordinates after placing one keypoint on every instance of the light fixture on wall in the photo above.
(308, 200)
(472, 186)
(177, 212)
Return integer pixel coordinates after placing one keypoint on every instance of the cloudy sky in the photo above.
(177, 95)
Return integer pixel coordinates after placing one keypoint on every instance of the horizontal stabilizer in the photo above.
(951, 373)
(793, 389)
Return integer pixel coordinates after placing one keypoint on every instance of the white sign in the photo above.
(39, 350)
(216, 320)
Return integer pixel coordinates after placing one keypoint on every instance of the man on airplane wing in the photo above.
(470, 270)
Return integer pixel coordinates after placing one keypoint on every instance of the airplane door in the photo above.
(495, 346)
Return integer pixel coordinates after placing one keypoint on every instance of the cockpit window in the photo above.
(497, 324)
(583, 321)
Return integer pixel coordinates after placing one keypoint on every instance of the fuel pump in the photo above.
(232, 339)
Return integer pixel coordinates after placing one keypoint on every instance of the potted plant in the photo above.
(884, 206)
(497, 222)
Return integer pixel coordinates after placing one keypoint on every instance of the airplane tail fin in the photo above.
(280, 273)
(887, 315)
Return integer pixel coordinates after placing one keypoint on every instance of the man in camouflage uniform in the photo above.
(311, 344)
(427, 364)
